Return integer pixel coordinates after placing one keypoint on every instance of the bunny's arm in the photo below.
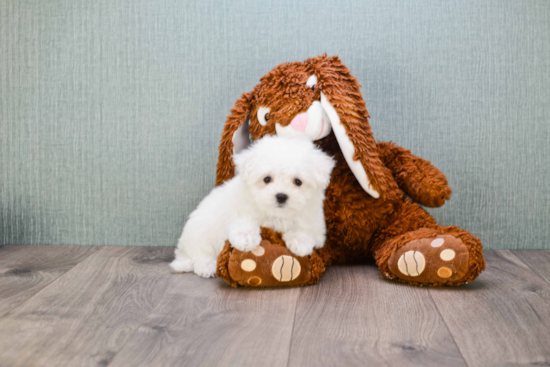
(417, 177)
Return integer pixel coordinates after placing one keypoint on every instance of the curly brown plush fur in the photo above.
(359, 226)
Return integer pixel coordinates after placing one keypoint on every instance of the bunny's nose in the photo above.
(281, 198)
(299, 122)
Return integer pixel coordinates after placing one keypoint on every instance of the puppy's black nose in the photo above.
(281, 198)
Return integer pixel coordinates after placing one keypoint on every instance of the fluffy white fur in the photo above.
(237, 209)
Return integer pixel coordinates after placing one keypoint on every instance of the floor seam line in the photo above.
(7, 314)
(447, 327)
(528, 266)
(144, 320)
(293, 324)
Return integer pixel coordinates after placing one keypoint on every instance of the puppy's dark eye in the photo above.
(267, 179)
(313, 88)
(266, 117)
(297, 182)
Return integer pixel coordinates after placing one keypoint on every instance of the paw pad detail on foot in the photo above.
(248, 265)
(447, 254)
(255, 281)
(434, 261)
(286, 268)
(268, 265)
(258, 251)
(444, 272)
(411, 263)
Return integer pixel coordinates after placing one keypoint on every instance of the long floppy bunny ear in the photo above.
(234, 138)
(345, 107)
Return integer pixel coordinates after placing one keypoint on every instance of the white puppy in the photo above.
(279, 184)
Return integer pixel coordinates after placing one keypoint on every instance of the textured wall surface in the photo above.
(111, 111)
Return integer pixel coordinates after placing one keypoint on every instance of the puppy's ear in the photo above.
(243, 163)
(234, 138)
(344, 104)
(322, 166)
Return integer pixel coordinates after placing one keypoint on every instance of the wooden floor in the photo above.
(121, 306)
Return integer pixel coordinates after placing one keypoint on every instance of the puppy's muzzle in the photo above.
(281, 198)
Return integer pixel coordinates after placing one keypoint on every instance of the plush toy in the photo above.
(372, 202)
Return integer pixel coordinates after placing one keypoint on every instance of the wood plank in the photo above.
(204, 322)
(90, 312)
(503, 318)
(537, 260)
(355, 317)
(26, 270)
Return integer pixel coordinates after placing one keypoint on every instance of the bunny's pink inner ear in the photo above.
(348, 149)
(241, 137)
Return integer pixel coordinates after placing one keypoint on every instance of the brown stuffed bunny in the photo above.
(371, 205)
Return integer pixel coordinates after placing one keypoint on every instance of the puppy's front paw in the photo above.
(205, 267)
(244, 241)
(299, 244)
(320, 242)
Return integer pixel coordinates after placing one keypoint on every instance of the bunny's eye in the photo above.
(312, 82)
(263, 116)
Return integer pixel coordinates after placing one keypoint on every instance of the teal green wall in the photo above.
(111, 111)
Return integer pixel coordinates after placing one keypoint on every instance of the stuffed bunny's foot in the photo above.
(439, 260)
(271, 264)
